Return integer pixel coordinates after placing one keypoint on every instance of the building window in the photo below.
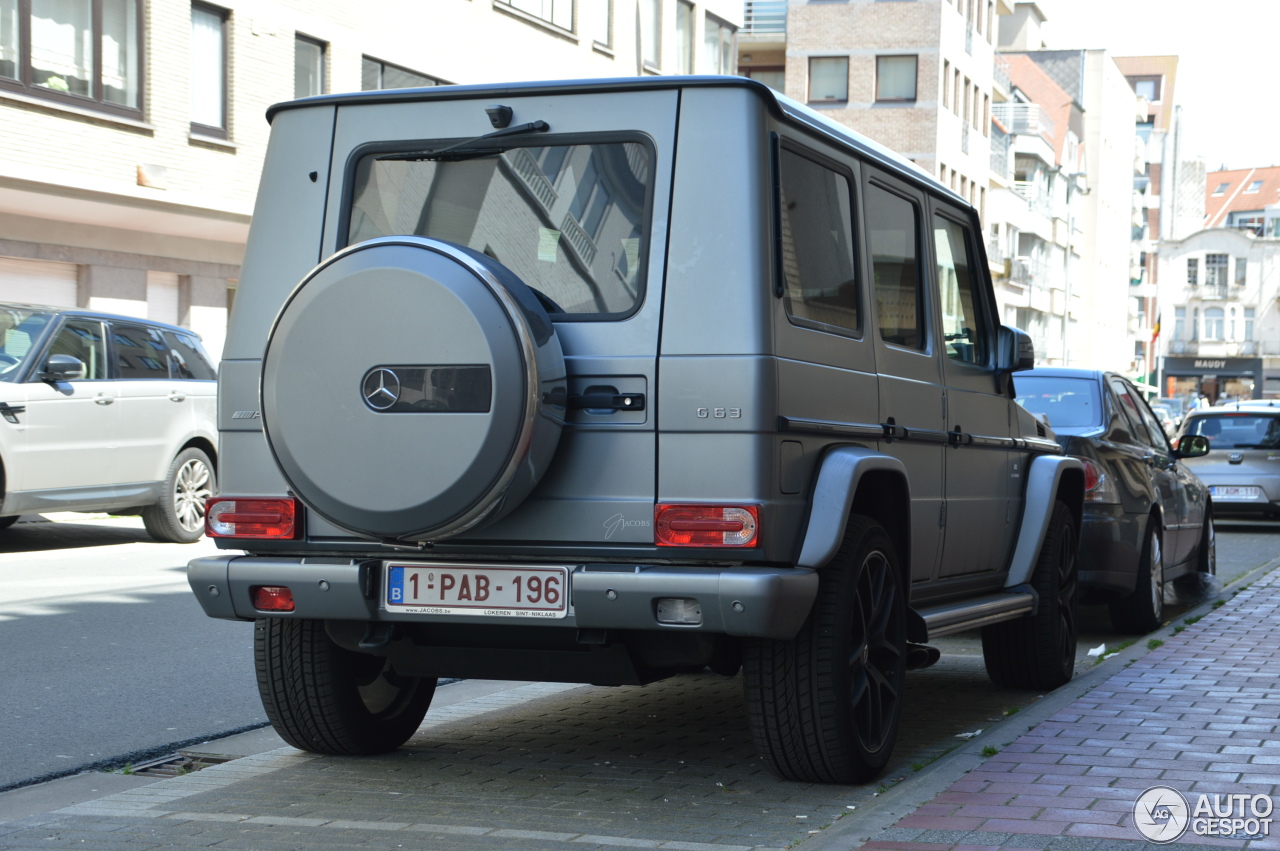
(308, 67)
(1249, 315)
(1193, 270)
(1253, 187)
(1179, 323)
(828, 78)
(1242, 264)
(81, 52)
(1213, 320)
(558, 12)
(946, 84)
(596, 20)
(684, 37)
(650, 32)
(1222, 189)
(1146, 87)
(376, 74)
(1215, 270)
(896, 78)
(209, 71)
(718, 53)
(773, 77)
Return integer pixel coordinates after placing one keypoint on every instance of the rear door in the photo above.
(580, 213)
(156, 414)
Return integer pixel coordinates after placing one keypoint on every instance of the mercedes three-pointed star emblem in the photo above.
(380, 388)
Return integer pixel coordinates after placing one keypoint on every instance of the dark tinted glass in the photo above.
(892, 229)
(571, 220)
(83, 340)
(187, 358)
(817, 244)
(140, 352)
(1066, 402)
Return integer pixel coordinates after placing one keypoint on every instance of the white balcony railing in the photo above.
(1025, 119)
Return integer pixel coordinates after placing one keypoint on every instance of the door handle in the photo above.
(177, 397)
(103, 399)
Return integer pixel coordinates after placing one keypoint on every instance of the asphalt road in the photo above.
(106, 655)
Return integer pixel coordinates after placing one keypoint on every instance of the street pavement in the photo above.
(550, 766)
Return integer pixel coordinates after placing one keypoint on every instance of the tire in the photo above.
(1143, 610)
(1039, 651)
(824, 707)
(178, 517)
(325, 699)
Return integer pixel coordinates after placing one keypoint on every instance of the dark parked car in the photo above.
(1147, 518)
(1242, 468)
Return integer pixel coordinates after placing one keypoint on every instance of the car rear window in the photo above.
(1237, 431)
(1066, 402)
(571, 220)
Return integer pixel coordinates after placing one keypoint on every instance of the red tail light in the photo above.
(271, 598)
(237, 517)
(706, 525)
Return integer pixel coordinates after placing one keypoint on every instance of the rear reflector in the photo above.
(706, 526)
(271, 598)
(233, 517)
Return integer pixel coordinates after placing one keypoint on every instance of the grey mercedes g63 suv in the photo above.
(605, 381)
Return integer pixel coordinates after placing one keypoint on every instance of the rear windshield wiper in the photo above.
(471, 147)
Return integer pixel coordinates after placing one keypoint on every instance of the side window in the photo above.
(187, 358)
(83, 339)
(893, 234)
(964, 326)
(817, 245)
(140, 352)
(1134, 410)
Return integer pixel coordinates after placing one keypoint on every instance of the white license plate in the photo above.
(486, 591)
(1233, 492)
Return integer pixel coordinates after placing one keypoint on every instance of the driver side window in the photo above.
(83, 339)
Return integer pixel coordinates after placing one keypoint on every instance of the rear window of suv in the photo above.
(1237, 431)
(571, 220)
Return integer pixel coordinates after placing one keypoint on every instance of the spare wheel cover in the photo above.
(366, 424)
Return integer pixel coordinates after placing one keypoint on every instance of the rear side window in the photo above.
(893, 234)
(140, 352)
(571, 220)
(817, 245)
(1065, 402)
(187, 358)
(1237, 431)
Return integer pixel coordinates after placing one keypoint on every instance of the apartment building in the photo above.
(133, 131)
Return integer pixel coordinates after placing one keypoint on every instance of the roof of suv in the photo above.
(778, 103)
(97, 314)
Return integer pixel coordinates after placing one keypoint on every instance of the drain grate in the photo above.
(177, 764)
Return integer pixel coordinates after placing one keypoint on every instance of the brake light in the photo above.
(271, 598)
(706, 525)
(237, 517)
(1098, 486)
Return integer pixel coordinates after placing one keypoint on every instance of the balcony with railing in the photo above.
(764, 17)
(1024, 119)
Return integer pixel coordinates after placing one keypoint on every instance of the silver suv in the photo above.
(608, 381)
(105, 413)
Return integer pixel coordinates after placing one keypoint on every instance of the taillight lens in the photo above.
(1098, 486)
(706, 526)
(271, 598)
(236, 517)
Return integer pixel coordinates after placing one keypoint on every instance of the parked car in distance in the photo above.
(1148, 519)
(1167, 420)
(105, 413)
(1242, 468)
(612, 403)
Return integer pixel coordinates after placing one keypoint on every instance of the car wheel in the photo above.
(326, 699)
(1143, 610)
(824, 707)
(179, 515)
(1039, 651)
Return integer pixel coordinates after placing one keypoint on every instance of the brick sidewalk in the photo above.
(1200, 714)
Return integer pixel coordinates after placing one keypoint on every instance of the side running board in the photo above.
(948, 618)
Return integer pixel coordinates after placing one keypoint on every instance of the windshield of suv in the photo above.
(19, 329)
(571, 220)
(1238, 431)
(1066, 402)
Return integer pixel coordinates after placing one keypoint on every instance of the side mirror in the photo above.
(62, 368)
(1192, 446)
(1016, 351)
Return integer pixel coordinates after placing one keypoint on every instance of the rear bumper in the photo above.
(764, 602)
